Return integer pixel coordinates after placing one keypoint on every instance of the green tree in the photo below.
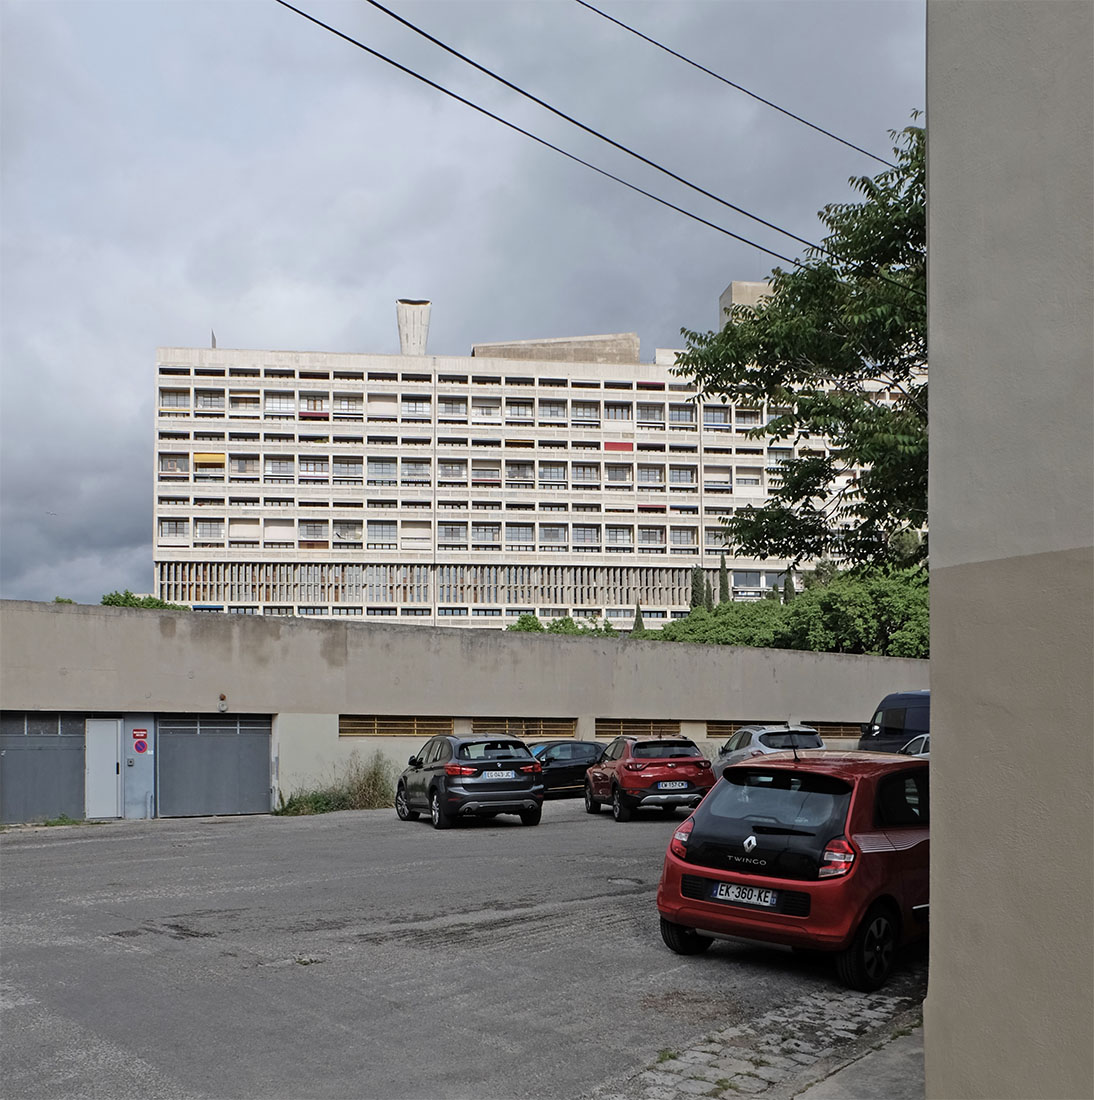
(708, 593)
(638, 623)
(838, 350)
(128, 599)
(724, 592)
(527, 624)
(62, 599)
(698, 587)
(789, 591)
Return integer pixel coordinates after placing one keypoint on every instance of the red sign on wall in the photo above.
(140, 735)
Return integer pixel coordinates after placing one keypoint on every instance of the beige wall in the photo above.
(1009, 1012)
(78, 657)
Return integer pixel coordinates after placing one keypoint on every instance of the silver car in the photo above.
(918, 746)
(758, 740)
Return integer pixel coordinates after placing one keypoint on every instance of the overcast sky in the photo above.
(175, 167)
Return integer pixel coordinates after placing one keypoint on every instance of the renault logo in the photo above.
(750, 844)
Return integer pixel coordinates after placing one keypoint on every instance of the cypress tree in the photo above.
(708, 593)
(698, 595)
(638, 623)
(724, 594)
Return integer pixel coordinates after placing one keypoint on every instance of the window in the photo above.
(586, 411)
(382, 534)
(552, 532)
(174, 399)
(174, 528)
(209, 529)
(586, 471)
(347, 467)
(620, 536)
(313, 529)
(619, 473)
(617, 410)
(415, 470)
(651, 414)
(416, 406)
(453, 471)
(681, 414)
(209, 399)
(314, 465)
(716, 416)
(651, 475)
(682, 536)
(452, 406)
(381, 471)
(313, 402)
(485, 532)
(552, 410)
(746, 579)
(519, 409)
(651, 536)
(453, 533)
(682, 475)
(903, 800)
(552, 472)
(174, 464)
(243, 464)
(519, 533)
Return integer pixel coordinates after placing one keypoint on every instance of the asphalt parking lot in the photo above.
(356, 955)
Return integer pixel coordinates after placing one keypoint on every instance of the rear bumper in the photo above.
(651, 796)
(500, 802)
(833, 909)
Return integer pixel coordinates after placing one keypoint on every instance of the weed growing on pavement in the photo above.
(667, 1055)
(360, 785)
(64, 819)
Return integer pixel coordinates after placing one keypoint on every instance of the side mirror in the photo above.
(413, 762)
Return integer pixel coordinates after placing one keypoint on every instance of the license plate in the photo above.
(745, 895)
(499, 775)
(672, 785)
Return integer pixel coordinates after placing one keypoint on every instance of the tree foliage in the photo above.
(849, 325)
(530, 624)
(128, 599)
(724, 592)
(885, 614)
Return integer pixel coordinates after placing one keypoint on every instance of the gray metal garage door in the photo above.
(41, 766)
(213, 764)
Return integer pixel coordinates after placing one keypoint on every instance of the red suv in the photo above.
(826, 851)
(665, 772)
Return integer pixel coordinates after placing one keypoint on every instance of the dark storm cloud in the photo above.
(171, 168)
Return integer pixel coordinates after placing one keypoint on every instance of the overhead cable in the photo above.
(527, 133)
(590, 130)
(732, 84)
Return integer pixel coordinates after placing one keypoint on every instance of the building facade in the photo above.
(555, 477)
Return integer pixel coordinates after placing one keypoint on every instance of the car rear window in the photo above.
(781, 799)
(492, 750)
(791, 740)
(646, 750)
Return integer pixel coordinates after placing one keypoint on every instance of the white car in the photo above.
(759, 740)
(918, 746)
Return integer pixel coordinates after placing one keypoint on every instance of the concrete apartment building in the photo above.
(556, 477)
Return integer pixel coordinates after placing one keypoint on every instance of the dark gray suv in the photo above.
(471, 777)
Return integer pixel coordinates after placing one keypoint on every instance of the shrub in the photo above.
(361, 785)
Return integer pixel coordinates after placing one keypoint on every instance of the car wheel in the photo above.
(437, 812)
(867, 963)
(402, 807)
(592, 805)
(531, 817)
(620, 811)
(684, 941)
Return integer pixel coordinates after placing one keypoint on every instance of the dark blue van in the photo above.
(899, 717)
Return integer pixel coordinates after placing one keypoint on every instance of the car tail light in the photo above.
(679, 843)
(838, 858)
(459, 769)
(703, 763)
(532, 769)
(634, 766)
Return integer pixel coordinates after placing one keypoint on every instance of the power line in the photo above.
(590, 130)
(739, 87)
(541, 141)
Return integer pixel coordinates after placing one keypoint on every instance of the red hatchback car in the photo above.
(825, 851)
(633, 772)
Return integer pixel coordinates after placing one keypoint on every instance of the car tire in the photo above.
(620, 811)
(868, 962)
(683, 940)
(402, 807)
(531, 817)
(592, 805)
(437, 813)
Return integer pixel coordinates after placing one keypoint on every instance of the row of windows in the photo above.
(521, 588)
(443, 378)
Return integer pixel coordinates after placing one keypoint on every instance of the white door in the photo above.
(102, 768)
